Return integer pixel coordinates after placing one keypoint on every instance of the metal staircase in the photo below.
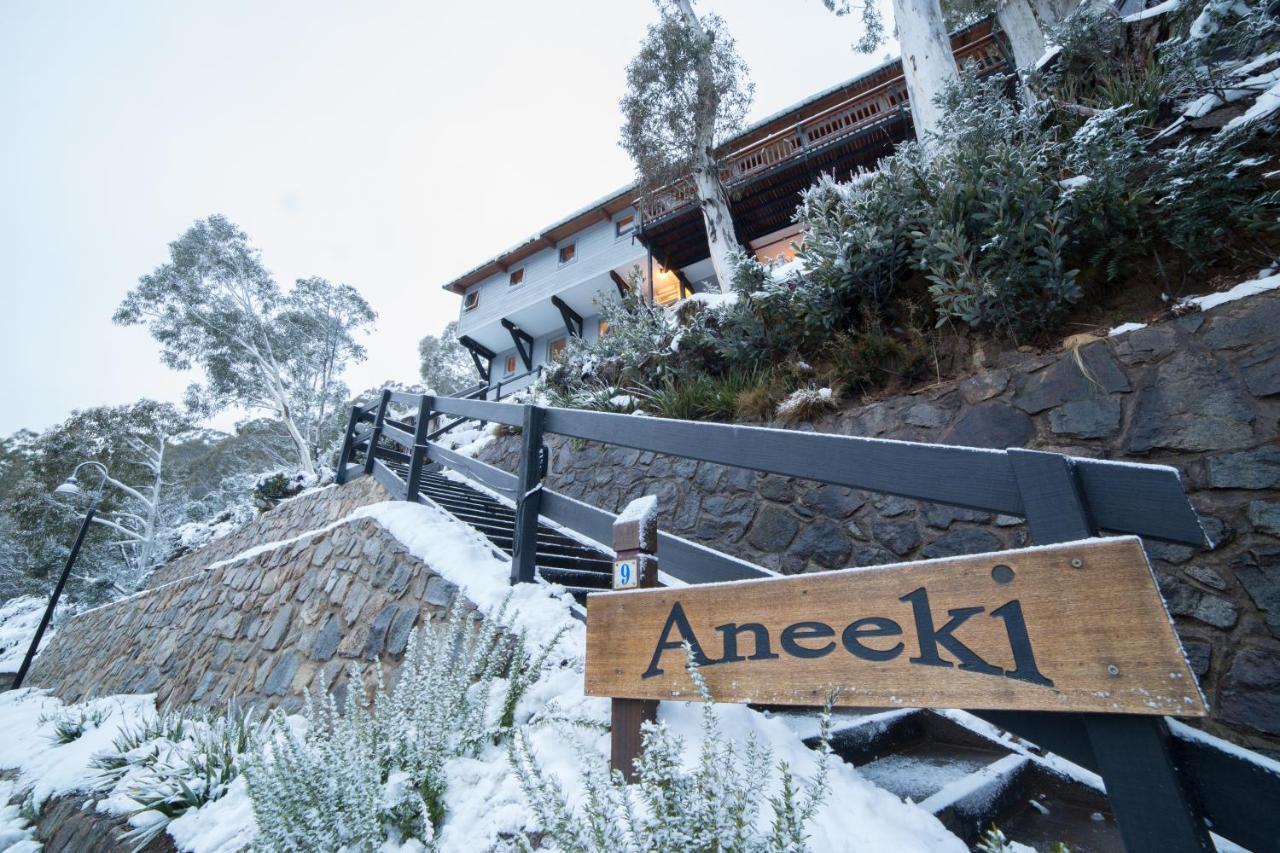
(561, 559)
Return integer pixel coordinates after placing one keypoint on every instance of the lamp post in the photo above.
(69, 489)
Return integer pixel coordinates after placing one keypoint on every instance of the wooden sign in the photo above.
(1075, 627)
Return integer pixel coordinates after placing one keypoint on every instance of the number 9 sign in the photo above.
(624, 574)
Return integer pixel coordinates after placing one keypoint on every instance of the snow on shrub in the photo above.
(806, 404)
(373, 773)
(718, 804)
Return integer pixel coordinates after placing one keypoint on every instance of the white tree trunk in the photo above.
(1024, 31)
(304, 451)
(927, 62)
(722, 240)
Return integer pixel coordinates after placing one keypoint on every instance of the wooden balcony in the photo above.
(766, 167)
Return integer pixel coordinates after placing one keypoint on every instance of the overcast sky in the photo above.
(388, 145)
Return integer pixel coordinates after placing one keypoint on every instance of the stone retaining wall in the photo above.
(1201, 393)
(305, 512)
(263, 629)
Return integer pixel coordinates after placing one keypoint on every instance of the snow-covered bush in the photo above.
(276, 486)
(729, 800)
(372, 772)
(70, 724)
(807, 404)
(173, 763)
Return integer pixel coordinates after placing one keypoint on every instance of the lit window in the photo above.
(666, 286)
(471, 300)
(511, 364)
(516, 277)
(625, 225)
(555, 349)
(604, 328)
(568, 253)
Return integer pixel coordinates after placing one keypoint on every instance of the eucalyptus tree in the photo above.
(687, 91)
(214, 305)
(443, 364)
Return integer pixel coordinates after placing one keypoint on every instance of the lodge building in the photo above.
(520, 308)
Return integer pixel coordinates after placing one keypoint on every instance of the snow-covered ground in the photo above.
(485, 802)
(19, 618)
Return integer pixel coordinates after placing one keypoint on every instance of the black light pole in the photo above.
(68, 489)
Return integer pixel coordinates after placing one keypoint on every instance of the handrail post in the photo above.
(635, 542)
(1132, 752)
(529, 499)
(344, 458)
(419, 454)
(377, 430)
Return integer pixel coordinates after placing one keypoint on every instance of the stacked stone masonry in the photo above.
(1201, 393)
(263, 629)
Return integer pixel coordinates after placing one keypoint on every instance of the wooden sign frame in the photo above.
(1078, 627)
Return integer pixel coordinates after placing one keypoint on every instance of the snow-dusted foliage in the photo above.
(806, 404)
(729, 800)
(214, 304)
(368, 773)
(19, 618)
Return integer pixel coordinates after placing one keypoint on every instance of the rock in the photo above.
(834, 501)
(1167, 551)
(984, 386)
(1216, 611)
(1096, 417)
(321, 553)
(1241, 323)
(401, 628)
(282, 674)
(1192, 405)
(927, 415)
(440, 592)
(725, 517)
(1091, 370)
(1251, 690)
(1199, 656)
(1261, 370)
(873, 556)
(1142, 346)
(1207, 576)
(942, 516)
(378, 632)
(1265, 516)
(1259, 574)
(773, 529)
(325, 642)
(900, 537)
(892, 506)
(824, 542)
(776, 488)
(1249, 469)
(279, 626)
(993, 424)
(965, 540)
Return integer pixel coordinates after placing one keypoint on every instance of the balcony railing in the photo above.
(853, 115)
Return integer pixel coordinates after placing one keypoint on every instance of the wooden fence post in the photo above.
(1133, 753)
(344, 459)
(524, 549)
(419, 454)
(377, 430)
(635, 540)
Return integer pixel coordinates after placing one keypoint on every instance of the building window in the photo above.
(471, 300)
(604, 328)
(625, 225)
(511, 365)
(568, 253)
(516, 278)
(555, 349)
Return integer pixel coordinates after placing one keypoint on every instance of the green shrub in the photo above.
(69, 724)
(374, 771)
(712, 806)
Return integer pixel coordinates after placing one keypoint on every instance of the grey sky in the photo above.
(389, 145)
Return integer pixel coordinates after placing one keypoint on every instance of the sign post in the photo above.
(635, 542)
